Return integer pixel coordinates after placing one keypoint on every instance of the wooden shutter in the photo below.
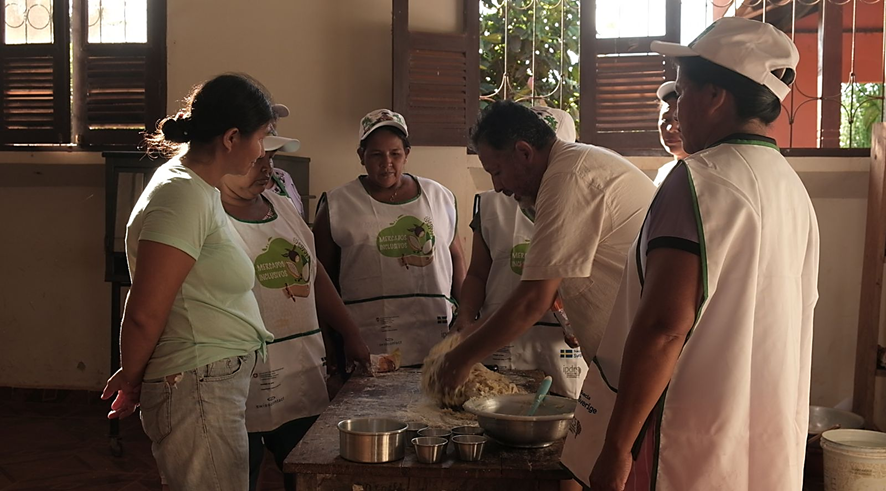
(125, 85)
(436, 84)
(35, 94)
(619, 108)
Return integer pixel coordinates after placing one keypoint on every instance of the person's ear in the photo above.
(524, 151)
(717, 97)
(360, 152)
(230, 138)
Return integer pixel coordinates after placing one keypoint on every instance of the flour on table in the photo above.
(481, 381)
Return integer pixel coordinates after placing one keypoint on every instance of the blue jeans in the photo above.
(196, 421)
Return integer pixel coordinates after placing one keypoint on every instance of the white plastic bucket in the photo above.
(854, 460)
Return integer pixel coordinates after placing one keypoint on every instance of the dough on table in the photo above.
(481, 381)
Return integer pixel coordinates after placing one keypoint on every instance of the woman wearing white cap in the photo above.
(280, 181)
(502, 235)
(389, 239)
(702, 378)
(287, 391)
(668, 129)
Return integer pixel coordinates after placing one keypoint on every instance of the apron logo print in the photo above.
(442, 319)
(285, 266)
(518, 256)
(585, 404)
(575, 427)
(570, 353)
(410, 240)
(573, 371)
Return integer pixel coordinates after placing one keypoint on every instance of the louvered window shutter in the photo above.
(619, 109)
(436, 84)
(35, 94)
(124, 83)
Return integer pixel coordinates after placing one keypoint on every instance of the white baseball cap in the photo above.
(666, 89)
(559, 120)
(279, 110)
(381, 117)
(748, 47)
(274, 143)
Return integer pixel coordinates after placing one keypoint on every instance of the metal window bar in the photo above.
(849, 99)
(27, 21)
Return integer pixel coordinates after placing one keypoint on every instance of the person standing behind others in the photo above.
(668, 129)
(702, 379)
(191, 326)
(281, 182)
(502, 238)
(288, 389)
(389, 240)
(589, 203)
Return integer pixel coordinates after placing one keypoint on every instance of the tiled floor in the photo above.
(58, 440)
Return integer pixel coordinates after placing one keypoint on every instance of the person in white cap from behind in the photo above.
(502, 235)
(280, 181)
(702, 378)
(668, 129)
(389, 240)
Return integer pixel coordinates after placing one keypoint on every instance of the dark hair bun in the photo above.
(177, 129)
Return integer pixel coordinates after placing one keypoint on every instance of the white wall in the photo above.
(330, 61)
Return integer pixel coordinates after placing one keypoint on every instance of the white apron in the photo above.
(507, 232)
(291, 382)
(734, 416)
(395, 272)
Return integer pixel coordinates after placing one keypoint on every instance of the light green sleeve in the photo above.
(179, 214)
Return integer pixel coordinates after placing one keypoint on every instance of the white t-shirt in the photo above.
(589, 210)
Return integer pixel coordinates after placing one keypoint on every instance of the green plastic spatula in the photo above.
(540, 395)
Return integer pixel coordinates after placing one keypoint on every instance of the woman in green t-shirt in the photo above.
(191, 326)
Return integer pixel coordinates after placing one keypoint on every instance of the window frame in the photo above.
(71, 130)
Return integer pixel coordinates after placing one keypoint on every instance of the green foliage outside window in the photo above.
(555, 78)
(862, 107)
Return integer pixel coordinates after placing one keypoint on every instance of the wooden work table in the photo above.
(318, 466)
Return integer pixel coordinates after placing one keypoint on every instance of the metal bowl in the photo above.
(436, 432)
(824, 418)
(430, 449)
(469, 447)
(371, 440)
(467, 430)
(412, 429)
(504, 419)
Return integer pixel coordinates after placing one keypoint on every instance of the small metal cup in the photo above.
(467, 430)
(429, 449)
(469, 447)
(412, 429)
(437, 432)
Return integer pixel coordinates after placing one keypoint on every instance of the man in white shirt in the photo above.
(589, 205)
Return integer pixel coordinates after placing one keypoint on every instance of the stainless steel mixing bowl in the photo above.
(504, 419)
(372, 440)
(824, 418)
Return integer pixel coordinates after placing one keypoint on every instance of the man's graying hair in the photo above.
(504, 123)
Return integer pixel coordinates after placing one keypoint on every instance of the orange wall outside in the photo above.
(868, 69)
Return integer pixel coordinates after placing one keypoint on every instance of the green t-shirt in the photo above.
(214, 315)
